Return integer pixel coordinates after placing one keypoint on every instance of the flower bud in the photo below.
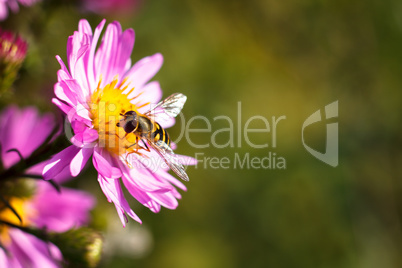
(13, 50)
(80, 247)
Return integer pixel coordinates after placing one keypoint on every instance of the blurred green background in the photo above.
(277, 58)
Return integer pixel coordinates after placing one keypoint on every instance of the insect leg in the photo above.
(146, 146)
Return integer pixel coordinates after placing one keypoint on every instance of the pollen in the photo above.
(107, 105)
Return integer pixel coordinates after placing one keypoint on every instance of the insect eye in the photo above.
(130, 113)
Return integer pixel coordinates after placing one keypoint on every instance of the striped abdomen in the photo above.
(159, 133)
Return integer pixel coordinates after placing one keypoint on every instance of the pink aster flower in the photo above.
(13, 6)
(110, 6)
(46, 208)
(95, 92)
(25, 130)
(12, 53)
(12, 48)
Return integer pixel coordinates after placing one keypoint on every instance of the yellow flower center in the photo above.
(21, 207)
(107, 105)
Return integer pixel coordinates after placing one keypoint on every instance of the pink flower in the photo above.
(47, 209)
(12, 48)
(110, 6)
(25, 250)
(12, 53)
(13, 5)
(97, 89)
(25, 130)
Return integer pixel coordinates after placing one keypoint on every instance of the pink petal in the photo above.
(62, 177)
(63, 75)
(85, 138)
(151, 93)
(104, 167)
(166, 176)
(114, 52)
(111, 188)
(36, 130)
(165, 199)
(3, 256)
(60, 212)
(79, 161)
(166, 122)
(81, 95)
(144, 70)
(126, 44)
(91, 67)
(58, 162)
(84, 27)
(142, 177)
(79, 113)
(62, 106)
(106, 55)
(77, 46)
(30, 251)
(82, 111)
(3, 16)
(78, 126)
(64, 93)
(63, 66)
(141, 196)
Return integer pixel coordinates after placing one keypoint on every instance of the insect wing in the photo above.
(170, 158)
(170, 106)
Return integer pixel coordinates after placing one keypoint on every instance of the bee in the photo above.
(144, 127)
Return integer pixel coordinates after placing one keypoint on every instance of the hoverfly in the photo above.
(144, 127)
